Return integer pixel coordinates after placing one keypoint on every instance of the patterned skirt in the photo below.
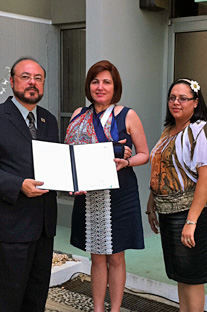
(109, 221)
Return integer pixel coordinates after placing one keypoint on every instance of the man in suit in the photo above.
(27, 214)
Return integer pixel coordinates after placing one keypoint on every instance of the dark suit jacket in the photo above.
(23, 219)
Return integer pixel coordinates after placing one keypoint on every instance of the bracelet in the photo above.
(149, 212)
(190, 222)
(128, 162)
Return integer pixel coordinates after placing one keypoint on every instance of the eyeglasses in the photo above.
(28, 78)
(181, 99)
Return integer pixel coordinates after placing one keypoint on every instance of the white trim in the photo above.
(143, 284)
(25, 18)
(189, 19)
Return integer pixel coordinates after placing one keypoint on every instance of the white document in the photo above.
(52, 165)
(95, 166)
(94, 163)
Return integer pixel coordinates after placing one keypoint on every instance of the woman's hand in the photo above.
(199, 201)
(187, 237)
(78, 193)
(153, 221)
(127, 149)
(152, 216)
(120, 163)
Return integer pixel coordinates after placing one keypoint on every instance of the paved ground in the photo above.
(52, 306)
(75, 296)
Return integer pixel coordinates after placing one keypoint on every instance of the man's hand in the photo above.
(30, 190)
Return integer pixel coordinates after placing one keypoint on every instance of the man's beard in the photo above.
(27, 100)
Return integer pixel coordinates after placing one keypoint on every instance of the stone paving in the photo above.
(77, 298)
(52, 306)
(69, 301)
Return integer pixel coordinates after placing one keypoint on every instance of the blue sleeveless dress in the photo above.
(114, 227)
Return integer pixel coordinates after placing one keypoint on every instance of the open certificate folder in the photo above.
(74, 168)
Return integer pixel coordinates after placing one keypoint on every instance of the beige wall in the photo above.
(35, 8)
(59, 11)
(68, 11)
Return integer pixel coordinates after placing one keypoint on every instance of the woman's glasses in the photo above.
(181, 99)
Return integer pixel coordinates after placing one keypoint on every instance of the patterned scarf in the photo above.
(86, 128)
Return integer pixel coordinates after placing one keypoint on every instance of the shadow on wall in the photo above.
(65, 207)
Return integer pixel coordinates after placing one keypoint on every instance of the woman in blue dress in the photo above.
(107, 222)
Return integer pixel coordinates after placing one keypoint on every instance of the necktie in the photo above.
(32, 128)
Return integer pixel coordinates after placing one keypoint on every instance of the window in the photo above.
(184, 8)
(73, 65)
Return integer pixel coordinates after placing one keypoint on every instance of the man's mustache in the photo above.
(31, 89)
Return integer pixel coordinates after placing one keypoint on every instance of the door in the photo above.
(188, 51)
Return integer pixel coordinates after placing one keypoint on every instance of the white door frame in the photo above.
(179, 25)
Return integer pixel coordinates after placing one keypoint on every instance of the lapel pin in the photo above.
(42, 120)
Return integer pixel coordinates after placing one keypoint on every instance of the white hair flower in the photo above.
(194, 86)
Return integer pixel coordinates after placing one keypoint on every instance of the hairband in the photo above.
(193, 84)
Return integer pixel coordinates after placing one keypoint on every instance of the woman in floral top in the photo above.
(179, 192)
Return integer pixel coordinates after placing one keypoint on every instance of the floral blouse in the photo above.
(175, 159)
